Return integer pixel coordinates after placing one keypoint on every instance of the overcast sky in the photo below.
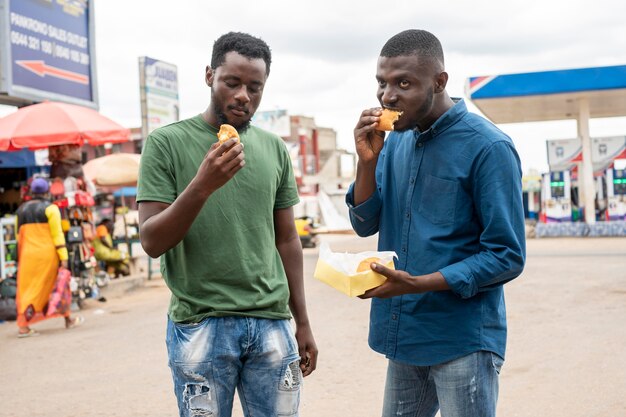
(324, 52)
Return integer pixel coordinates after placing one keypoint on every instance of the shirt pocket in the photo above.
(438, 200)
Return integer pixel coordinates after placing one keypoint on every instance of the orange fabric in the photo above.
(102, 231)
(36, 273)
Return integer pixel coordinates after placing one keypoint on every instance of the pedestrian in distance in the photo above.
(116, 262)
(41, 252)
(224, 227)
(444, 192)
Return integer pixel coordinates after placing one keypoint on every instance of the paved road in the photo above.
(566, 355)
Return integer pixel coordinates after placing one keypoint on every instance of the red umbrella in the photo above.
(52, 123)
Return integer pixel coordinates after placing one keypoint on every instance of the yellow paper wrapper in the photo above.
(336, 271)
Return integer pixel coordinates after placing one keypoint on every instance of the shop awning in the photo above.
(23, 158)
(125, 192)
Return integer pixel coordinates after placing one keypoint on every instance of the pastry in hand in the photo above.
(227, 132)
(387, 119)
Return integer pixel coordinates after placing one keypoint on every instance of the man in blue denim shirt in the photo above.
(444, 192)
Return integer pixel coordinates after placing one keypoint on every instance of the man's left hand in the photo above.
(400, 283)
(397, 283)
(307, 349)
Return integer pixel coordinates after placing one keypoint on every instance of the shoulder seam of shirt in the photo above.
(289, 203)
(487, 149)
(504, 137)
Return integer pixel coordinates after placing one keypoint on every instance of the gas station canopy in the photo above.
(578, 94)
(550, 95)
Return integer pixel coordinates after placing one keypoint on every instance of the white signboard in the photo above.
(605, 150)
(562, 152)
(275, 121)
(159, 94)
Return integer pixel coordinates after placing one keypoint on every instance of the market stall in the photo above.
(62, 129)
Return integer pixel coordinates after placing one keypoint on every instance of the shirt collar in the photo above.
(449, 118)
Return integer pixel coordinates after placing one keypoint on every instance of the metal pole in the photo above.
(586, 175)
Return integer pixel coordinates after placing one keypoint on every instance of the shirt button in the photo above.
(412, 180)
(403, 249)
(419, 145)
(394, 317)
(408, 214)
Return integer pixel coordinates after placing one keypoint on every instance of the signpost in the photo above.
(159, 94)
(47, 52)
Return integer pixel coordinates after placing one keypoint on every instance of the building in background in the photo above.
(322, 171)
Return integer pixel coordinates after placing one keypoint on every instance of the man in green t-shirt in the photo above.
(223, 225)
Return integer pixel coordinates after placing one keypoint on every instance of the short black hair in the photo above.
(413, 42)
(244, 44)
(105, 221)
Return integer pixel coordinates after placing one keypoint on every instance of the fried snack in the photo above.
(227, 132)
(387, 119)
(365, 264)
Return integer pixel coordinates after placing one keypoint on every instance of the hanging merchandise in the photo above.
(8, 247)
(75, 234)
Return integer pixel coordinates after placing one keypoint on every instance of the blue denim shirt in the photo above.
(448, 199)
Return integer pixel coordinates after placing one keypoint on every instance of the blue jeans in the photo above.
(258, 357)
(464, 387)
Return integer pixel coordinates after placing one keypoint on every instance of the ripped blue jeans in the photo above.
(257, 357)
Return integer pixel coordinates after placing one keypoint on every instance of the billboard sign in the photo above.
(275, 121)
(48, 52)
(563, 154)
(605, 150)
(159, 94)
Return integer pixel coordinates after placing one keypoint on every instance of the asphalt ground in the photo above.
(566, 353)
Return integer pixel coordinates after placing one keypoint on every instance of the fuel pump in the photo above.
(616, 194)
(556, 196)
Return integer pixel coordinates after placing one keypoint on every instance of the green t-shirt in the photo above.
(227, 263)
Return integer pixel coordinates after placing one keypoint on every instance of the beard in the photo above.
(422, 112)
(221, 116)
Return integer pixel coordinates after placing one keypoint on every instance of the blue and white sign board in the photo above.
(275, 121)
(562, 153)
(47, 52)
(159, 94)
(606, 150)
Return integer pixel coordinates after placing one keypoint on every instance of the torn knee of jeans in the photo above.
(292, 376)
(289, 390)
(198, 398)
